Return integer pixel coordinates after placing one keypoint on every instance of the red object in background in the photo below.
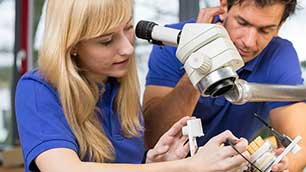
(24, 35)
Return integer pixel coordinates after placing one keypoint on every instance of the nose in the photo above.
(250, 40)
(126, 46)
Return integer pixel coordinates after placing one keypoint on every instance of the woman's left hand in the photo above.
(172, 145)
(283, 164)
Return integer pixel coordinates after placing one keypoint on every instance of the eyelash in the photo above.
(107, 42)
(245, 24)
(264, 32)
(242, 23)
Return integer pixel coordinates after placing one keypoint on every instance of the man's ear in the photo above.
(223, 5)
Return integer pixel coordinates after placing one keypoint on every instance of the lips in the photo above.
(121, 62)
(244, 52)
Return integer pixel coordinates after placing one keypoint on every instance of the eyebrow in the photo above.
(111, 33)
(263, 27)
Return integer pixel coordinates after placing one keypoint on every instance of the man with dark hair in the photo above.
(253, 26)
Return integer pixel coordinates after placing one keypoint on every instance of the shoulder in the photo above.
(280, 47)
(278, 42)
(281, 61)
(34, 75)
(35, 79)
(280, 51)
(36, 90)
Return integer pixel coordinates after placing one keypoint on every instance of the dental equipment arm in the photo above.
(244, 92)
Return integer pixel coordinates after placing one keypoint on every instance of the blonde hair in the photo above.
(67, 23)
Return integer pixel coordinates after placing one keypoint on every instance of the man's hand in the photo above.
(283, 165)
(207, 15)
(172, 145)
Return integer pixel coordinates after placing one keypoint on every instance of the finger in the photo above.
(168, 140)
(153, 153)
(183, 140)
(177, 140)
(177, 127)
(236, 161)
(242, 144)
(182, 152)
(162, 149)
(279, 151)
(282, 165)
(229, 151)
(206, 15)
(221, 138)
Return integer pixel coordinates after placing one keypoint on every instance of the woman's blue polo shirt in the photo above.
(42, 124)
(276, 64)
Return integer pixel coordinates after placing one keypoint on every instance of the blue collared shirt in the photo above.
(276, 64)
(42, 124)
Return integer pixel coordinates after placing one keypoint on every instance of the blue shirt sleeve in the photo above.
(284, 68)
(164, 67)
(41, 122)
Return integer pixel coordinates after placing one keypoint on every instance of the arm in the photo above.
(171, 146)
(49, 161)
(291, 121)
(162, 106)
(210, 158)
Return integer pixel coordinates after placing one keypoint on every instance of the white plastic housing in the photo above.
(213, 43)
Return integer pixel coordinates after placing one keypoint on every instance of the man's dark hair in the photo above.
(290, 5)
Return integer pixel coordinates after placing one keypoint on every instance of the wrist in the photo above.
(187, 165)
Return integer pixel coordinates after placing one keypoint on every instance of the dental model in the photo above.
(193, 130)
(263, 156)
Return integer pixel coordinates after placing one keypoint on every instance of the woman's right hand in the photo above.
(215, 157)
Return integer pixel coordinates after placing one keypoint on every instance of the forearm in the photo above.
(297, 162)
(291, 120)
(171, 166)
(162, 112)
(66, 160)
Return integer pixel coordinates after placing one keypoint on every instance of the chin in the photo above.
(120, 74)
(248, 58)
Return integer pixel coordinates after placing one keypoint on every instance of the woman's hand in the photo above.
(172, 145)
(283, 165)
(214, 157)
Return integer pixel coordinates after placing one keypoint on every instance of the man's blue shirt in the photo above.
(43, 126)
(276, 64)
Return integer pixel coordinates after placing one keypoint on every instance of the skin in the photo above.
(108, 54)
(251, 28)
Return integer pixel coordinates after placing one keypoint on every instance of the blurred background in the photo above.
(21, 28)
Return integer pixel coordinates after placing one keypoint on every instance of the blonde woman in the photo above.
(79, 111)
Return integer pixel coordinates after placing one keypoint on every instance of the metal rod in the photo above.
(253, 92)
